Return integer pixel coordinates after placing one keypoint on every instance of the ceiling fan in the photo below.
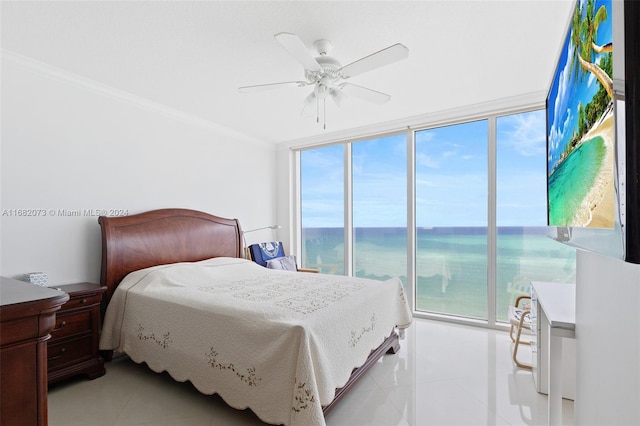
(328, 77)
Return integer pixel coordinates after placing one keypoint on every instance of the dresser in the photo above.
(27, 316)
(553, 324)
(73, 347)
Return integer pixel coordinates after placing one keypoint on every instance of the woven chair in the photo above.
(520, 319)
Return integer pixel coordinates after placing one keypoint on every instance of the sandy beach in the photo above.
(598, 207)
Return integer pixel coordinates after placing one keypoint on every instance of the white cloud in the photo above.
(523, 133)
(425, 160)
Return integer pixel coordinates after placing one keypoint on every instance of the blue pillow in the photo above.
(262, 252)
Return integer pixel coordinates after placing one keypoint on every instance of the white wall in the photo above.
(69, 143)
(607, 341)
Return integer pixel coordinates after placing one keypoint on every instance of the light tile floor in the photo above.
(445, 374)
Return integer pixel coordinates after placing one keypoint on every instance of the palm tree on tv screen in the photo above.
(585, 47)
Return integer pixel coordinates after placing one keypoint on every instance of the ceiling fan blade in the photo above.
(270, 86)
(378, 59)
(338, 96)
(310, 105)
(297, 49)
(364, 93)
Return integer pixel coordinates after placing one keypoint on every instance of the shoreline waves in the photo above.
(598, 206)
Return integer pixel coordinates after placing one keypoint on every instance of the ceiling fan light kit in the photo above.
(327, 75)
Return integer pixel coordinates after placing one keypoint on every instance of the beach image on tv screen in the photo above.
(580, 123)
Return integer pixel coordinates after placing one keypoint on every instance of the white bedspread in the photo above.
(277, 342)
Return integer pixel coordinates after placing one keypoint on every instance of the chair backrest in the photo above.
(261, 252)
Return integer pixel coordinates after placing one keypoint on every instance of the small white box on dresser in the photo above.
(37, 278)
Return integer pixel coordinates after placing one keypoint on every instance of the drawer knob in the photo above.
(83, 301)
(62, 324)
(62, 351)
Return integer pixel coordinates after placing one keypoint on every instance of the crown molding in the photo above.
(58, 74)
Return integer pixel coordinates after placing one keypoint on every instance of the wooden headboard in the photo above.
(161, 237)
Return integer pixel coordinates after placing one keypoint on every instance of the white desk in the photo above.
(557, 302)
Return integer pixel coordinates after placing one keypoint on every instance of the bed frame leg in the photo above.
(390, 346)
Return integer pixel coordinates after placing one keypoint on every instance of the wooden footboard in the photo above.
(390, 345)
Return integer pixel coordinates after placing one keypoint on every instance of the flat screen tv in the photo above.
(592, 131)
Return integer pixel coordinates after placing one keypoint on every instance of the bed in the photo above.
(288, 345)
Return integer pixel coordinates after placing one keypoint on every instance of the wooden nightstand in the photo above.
(73, 347)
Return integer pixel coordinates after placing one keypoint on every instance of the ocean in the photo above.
(451, 263)
(572, 179)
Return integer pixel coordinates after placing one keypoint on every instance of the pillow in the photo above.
(285, 263)
(262, 252)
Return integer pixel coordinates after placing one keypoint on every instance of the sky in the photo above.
(451, 177)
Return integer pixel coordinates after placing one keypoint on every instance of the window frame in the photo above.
(490, 112)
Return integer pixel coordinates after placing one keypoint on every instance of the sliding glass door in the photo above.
(379, 170)
(322, 209)
(451, 220)
(523, 251)
(478, 201)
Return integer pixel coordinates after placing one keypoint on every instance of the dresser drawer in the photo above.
(19, 330)
(69, 352)
(70, 323)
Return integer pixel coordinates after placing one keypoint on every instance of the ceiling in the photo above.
(190, 57)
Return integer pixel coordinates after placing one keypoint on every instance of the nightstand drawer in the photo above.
(84, 300)
(68, 324)
(70, 351)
